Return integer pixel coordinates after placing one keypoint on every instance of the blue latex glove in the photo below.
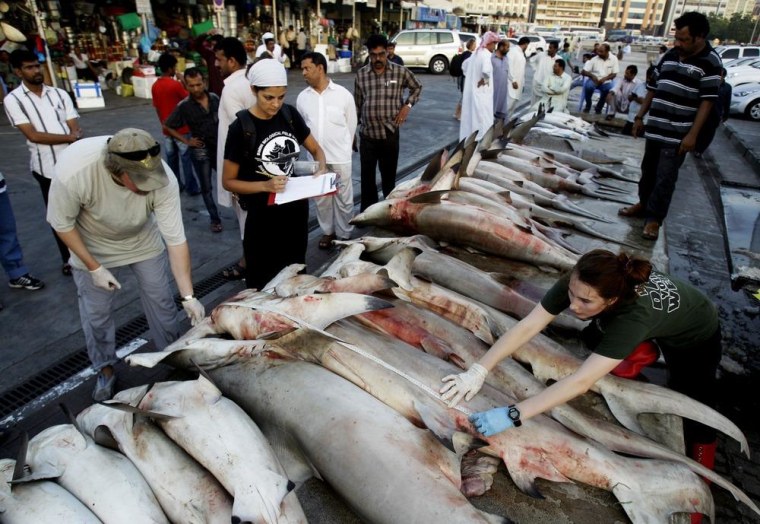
(493, 421)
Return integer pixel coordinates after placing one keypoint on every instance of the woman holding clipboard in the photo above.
(261, 146)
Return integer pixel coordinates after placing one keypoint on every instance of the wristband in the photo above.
(187, 298)
(637, 117)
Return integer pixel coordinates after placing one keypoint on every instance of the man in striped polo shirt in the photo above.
(47, 118)
(680, 96)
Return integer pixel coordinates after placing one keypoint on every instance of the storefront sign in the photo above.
(143, 7)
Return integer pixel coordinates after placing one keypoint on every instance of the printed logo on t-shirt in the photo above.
(276, 154)
(662, 292)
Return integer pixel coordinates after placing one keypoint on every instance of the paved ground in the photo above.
(41, 331)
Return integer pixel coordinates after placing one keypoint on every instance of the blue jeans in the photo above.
(203, 160)
(175, 150)
(588, 92)
(11, 257)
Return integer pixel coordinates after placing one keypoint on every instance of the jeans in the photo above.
(659, 173)
(588, 91)
(11, 257)
(203, 159)
(373, 152)
(175, 149)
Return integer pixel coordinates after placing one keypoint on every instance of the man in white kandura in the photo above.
(477, 97)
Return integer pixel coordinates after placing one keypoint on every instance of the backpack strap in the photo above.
(249, 131)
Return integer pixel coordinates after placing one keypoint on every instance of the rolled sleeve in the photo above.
(414, 86)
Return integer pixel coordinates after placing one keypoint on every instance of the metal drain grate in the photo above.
(46, 379)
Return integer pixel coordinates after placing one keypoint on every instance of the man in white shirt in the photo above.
(544, 68)
(330, 112)
(601, 71)
(114, 205)
(236, 96)
(271, 48)
(300, 45)
(516, 74)
(618, 98)
(47, 118)
(556, 88)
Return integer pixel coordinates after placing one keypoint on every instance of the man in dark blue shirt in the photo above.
(199, 111)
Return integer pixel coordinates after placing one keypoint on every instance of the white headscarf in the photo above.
(268, 73)
(266, 36)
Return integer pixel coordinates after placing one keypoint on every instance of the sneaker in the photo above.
(26, 282)
(104, 387)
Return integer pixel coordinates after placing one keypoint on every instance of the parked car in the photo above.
(742, 62)
(729, 53)
(431, 48)
(745, 100)
(743, 74)
(466, 37)
(536, 45)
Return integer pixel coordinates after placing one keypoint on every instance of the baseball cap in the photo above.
(138, 154)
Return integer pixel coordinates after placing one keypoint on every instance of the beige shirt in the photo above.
(117, 226)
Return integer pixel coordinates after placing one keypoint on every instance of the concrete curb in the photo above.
(743, 147)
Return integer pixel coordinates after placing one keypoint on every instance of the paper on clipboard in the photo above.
(302, 187)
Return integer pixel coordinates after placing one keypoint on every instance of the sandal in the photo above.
(234, 272)
(217, 227)
(326, 241)
(66, 270)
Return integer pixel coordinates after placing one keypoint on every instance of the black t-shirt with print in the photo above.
(277, 144)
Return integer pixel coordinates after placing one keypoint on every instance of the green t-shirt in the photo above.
(669, 310)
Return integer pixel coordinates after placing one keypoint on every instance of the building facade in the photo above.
(642, 15)
(568, 13)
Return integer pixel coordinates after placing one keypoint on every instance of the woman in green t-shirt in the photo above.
(629, 304)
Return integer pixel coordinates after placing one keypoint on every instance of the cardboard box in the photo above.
(89, 103)
(87, 90)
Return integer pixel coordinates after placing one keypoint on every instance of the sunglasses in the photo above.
(141, 154)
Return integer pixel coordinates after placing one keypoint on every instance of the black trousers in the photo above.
(692, 372)
(45, 188)
(659, 173)
(375, 151)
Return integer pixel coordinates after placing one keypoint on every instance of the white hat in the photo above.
(266, 36)
(268, 73)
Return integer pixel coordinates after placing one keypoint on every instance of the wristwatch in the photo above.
(187, 298)
(514, 414)
(409, 105)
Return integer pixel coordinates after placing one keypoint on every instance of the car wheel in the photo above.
(438, 65)
(753, 110)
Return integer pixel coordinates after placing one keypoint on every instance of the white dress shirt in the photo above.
(236, 96)
(601, 68)
(48, 113)
(331, 116)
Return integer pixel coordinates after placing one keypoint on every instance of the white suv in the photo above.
(729, 53)
(431, 48)
(536, 44)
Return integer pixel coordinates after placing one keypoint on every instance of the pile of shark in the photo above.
(337, 376)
